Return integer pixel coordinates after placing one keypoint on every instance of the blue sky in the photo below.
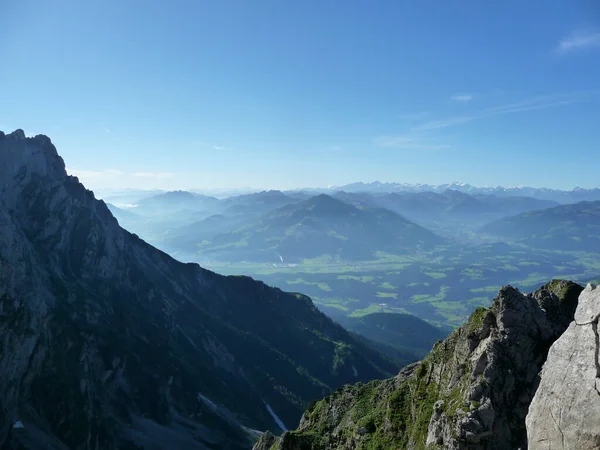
(282, 94)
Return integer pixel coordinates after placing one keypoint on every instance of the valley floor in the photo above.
(442, 287)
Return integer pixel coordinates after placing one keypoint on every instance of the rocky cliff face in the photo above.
(106, 342)
(565, 412)
(471, 392)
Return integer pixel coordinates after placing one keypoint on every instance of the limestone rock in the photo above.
(565, 411)
(471, 392)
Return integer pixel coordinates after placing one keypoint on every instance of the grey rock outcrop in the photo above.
(503, 360)
(472, 391)
(565, 412)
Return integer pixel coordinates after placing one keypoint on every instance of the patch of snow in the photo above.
(18, 424)
(354, 370)
(276, 418)
(207, 401)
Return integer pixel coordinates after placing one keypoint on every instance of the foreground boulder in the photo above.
(565, 412)
(471, 392)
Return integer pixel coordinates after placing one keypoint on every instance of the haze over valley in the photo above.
(435, 252)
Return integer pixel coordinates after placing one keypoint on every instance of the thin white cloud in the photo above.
(535, 103)
(463, 98)
(106, 130)
(219, 147)
(443, 123)
(408, 142)
(579, 41)
(420, 137)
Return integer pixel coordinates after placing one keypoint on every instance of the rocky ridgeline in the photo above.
(471, 392)
(107, 342)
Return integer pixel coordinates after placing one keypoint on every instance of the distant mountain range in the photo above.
(321, 225)
(454, 207)
(277, 226)
(573, 227)
(131, 196)
(556, 195)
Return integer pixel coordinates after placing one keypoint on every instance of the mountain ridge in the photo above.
(574, 227)
(318, 226)
(471, 392)
(108, 342)
(535, 192)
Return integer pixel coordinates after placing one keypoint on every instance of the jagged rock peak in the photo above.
(16, 135)
(21, 154)
(565, 411)
(471, 392)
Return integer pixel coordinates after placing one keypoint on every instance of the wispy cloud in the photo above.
(534, 103)
(106, 130)
(443, 123)
(425, 137)
(219, 147)
(579, 41)
(408, 142)
(464, 98)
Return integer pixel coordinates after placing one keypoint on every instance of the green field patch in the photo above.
(450, 306)
(479, 301)
(387, 295)
(429, 298)
(386, 285)
(364, 278)
(373, 308)
(436, 275)
(474, 274)
(323, 286)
